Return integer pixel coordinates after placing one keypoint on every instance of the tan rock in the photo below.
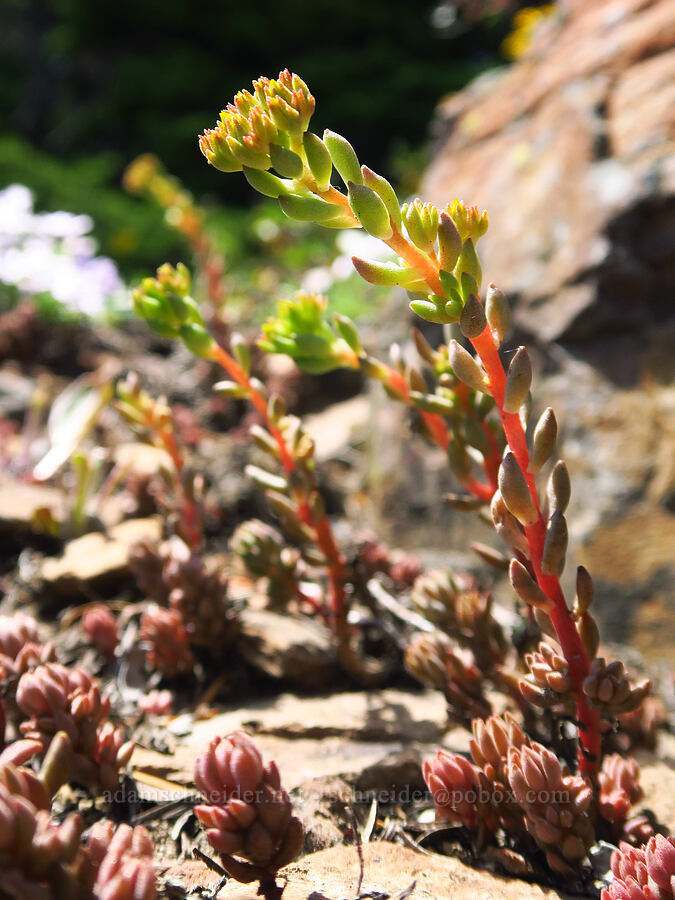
(97, 558)
(390, 869)
(295, 649)
(21, 504)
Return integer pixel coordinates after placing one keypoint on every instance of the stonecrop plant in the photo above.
(520, 790)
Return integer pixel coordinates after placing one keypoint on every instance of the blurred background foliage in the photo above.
(87, 86)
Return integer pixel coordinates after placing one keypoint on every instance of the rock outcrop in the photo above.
(572, 152)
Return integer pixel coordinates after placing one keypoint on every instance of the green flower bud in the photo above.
(449, 242)
(318, 159)
(284, 116)
(256, 159)
(421, 222)
(344, 157)
(470, 223)
(469, 264)
(213, 145)
(370, 210)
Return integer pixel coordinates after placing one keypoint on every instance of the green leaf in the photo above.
(318, 159)
(308, 208)
(344, 157)
(265, 183)
(369, 209)
(287, 163)
(386, 193)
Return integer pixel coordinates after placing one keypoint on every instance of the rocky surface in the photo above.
(298, 650)
(98, 559)
(571, 150)
(389, 869)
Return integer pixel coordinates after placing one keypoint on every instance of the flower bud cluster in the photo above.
(302, 331)
(643, 873)
(55, 698)
(146, 176)
(248, 816)
(257, 127)
(166, 305)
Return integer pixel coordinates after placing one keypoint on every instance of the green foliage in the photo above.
(302, 331)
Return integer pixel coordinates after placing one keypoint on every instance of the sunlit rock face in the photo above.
(571, 150)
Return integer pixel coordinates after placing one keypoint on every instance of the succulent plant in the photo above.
(126, 870)
(156, 703)
(643, 873)
(100, 627)
(174, 577)
(166, 641)
(55, 698)
(20, 646)
(248, 816)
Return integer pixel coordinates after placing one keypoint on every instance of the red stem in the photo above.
(188, 509)
(561, 618)
(320, 525)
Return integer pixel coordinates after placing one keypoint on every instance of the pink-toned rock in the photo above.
(558, 149)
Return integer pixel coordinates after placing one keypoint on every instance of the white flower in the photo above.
(53, 253)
